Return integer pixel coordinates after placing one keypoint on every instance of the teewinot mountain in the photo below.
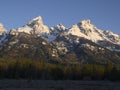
(81, 43)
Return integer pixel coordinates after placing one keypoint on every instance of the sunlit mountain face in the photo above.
(81, 43)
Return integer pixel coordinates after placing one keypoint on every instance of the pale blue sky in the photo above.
(105, 14)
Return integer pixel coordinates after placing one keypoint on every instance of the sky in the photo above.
(105, 14)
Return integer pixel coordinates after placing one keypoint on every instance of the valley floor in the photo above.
(57, 85)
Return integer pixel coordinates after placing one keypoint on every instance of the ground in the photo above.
(57, 85)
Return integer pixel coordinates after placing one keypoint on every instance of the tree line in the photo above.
(37, 69)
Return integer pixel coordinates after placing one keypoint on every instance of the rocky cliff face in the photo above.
(81, 43)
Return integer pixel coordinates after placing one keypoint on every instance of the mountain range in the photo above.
(81, 43)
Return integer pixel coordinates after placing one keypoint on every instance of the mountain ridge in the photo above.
(83, 42)
(37, 26)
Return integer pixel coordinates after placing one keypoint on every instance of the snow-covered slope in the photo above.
(83, 42)
(84, 29)
(55, 32)
(3, 32)
(115, 38)
(87, 30)
(35, 26)
(38, 26)
(2, 29)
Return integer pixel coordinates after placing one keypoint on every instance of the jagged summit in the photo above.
(59, 27)
(3, 32)
(37, 18)
(2, 29)
(85, 29)
(34, 26)
(83, 42)
(109, 33)
(1, 25)
(88, 21)
(36, 21)
(86, 25)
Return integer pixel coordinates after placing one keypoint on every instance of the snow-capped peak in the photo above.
(86, 25)
(55, 31)
(2, 29)
(37, 18)
(38, 27)
(36, 21)
(59, 27)
(2, 33)
(86, 21)
(34, 26)
(84, 29)
(87, 30)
